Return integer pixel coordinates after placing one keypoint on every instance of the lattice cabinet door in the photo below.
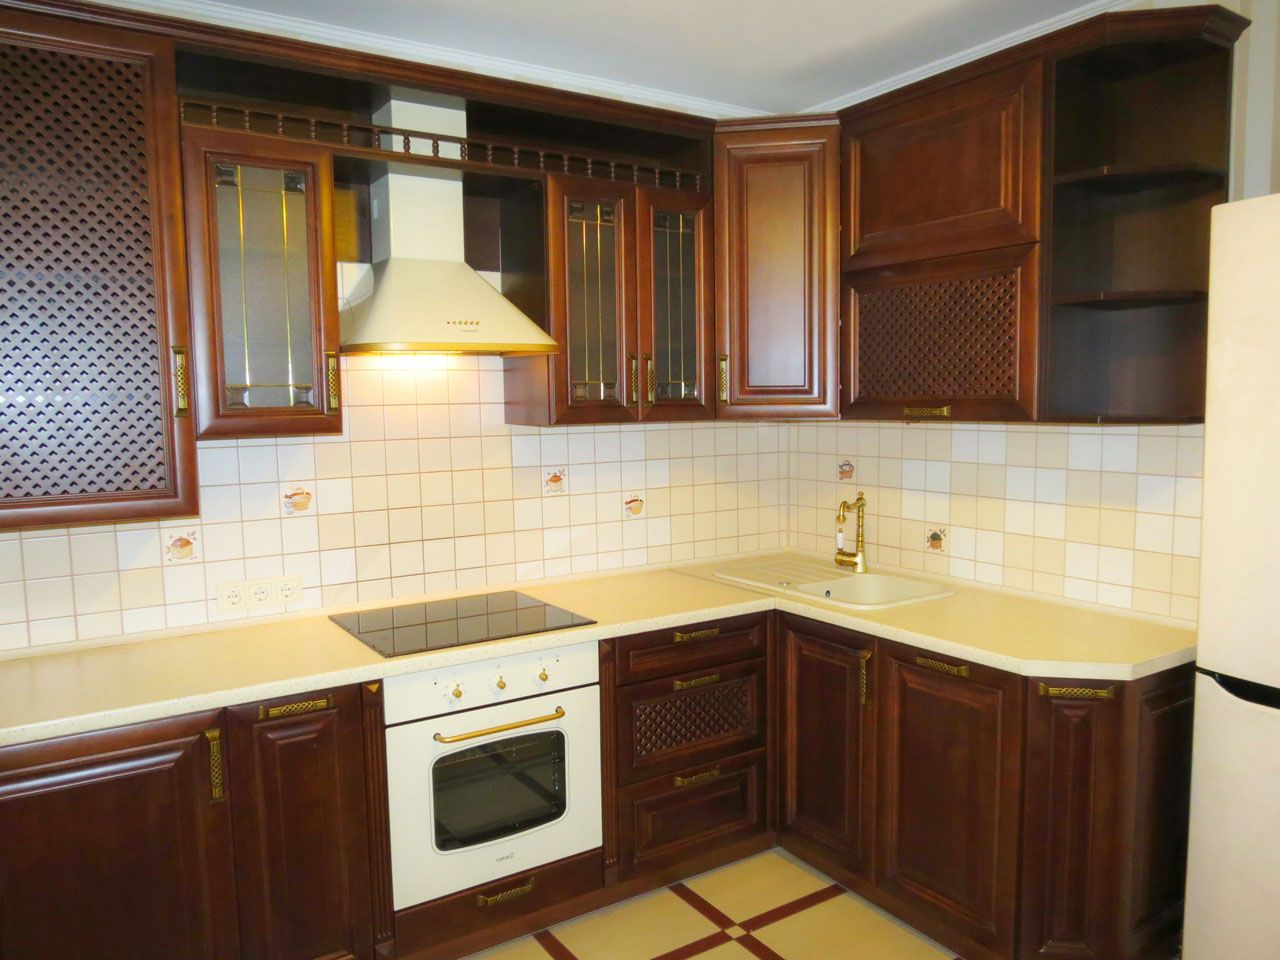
(94, 398)
(952, 338)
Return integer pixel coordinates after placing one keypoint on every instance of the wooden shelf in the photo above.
(1124, 178)
(1127, 299)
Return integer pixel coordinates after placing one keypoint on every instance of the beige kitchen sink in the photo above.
(821, 580)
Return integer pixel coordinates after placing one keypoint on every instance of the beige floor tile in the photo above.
(845, 927)
(750, 887)
(635, 930)
(524, 949)
(727, 951)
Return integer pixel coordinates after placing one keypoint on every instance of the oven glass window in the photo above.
(499, 789)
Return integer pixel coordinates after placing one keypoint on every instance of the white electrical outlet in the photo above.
(288, 590)
(262, 593)
(232, 597)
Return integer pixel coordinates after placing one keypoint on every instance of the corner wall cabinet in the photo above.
(629, 297)
(96, 386)
(263, 284)
(777, 267)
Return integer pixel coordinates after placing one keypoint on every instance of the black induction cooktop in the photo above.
(415, 627)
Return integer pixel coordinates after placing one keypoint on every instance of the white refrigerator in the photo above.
(1233, 870)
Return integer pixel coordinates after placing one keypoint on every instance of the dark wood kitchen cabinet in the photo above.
(950, 795)
(828, 741)
(263, 284)
(297, 777)
(1108, 786)
(117, 845)
(777, 267)
(96, 422)
(629, 301)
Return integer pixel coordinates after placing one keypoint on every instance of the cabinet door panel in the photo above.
(829, 739)
(93, 416)
(116, 846)
(301, 828)
(951, 338)
(950, 792)
(949, 172)
(674, 304)
(264, 290)
(590, 265)
(776, 265)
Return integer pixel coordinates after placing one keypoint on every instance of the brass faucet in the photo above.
(858, 559)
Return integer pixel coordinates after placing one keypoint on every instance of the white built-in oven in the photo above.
(493, 768)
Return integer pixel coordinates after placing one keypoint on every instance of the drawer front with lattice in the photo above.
(669, 724)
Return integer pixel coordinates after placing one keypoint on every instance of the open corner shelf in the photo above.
(1128, 299)
(1125, 178)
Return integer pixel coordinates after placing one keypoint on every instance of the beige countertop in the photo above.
(52, 694)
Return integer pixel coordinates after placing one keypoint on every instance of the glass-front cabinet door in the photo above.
(263, 288)
(592, 297)
(673, 288)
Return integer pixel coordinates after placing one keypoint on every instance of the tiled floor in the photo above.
(768, 908)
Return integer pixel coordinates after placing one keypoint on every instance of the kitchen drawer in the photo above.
(669, 724)
(671, 818)
(661, 653)
(498, 902)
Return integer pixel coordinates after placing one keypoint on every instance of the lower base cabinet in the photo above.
(117, 845)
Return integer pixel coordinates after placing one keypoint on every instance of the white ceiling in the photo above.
(716, 57)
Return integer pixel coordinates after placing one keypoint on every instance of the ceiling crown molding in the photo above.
(229, 15)
(951, 61)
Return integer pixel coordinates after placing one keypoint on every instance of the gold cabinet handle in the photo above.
(634, 392)
(697, 682)
(650, 379)
(920, 412)
(697, 778)
(724, 378)
(1077, 693)
(515, 893)
(216, 772)
(938, 666)
(181, 383)
(333, 380)
(502, 728)
(863, 659)
(709, 633)
(295, 709)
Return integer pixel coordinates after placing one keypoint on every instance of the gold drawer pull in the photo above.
(927, 411)
(697, 778)
(1078, 693)
(333, 380)
(862, 677)
(650, 379)
(295, 709)
(938, 666)
(216, 773)
(710, 633)
(697, 682)
(515, 893)
(502, 728)
(724, 378)
(181, 383)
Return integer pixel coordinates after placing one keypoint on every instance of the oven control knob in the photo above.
(500, 684)
(542, 675)
(457, 692)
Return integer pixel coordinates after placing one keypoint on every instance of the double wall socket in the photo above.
(252, 594)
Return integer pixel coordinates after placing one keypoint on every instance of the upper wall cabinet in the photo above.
(94, 397)
(629, 302)
(777, 266)
(949, 172)
(263, 286)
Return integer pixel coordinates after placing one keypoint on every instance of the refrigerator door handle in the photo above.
(1247, 690)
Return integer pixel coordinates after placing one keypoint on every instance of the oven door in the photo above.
(498, 790)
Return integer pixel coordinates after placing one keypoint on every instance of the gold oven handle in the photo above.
(441, 738)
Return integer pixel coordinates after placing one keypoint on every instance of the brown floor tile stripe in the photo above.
(758, 949)
(558, 951)
(690, 950)
(792, 908)
(703, 906)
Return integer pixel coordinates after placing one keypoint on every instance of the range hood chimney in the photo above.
(419, 294)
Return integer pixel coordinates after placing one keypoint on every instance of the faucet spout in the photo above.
(858, 559)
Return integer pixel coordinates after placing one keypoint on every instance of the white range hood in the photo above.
(419, 295)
